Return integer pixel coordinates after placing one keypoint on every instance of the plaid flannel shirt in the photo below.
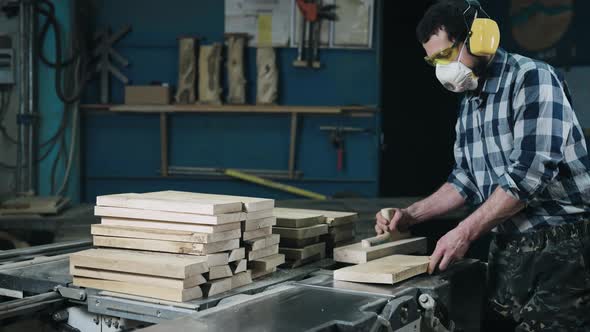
(520, 132)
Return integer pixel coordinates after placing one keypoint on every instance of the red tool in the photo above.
(313, 12)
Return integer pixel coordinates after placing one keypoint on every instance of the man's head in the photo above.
(443, 32)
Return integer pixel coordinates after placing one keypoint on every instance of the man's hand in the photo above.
(400, 221)
(449, 248)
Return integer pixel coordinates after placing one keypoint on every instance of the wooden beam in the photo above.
(163, 144)
(268, 262)
(386, 270)
(170, 294)
(303, 253)
(163, 234)
(166, 246)
(256, 254)
(262, 242)
(293, 146)
(189, 282)
(252, 225)
(357, 254)
(145, 263)
(117, 212)
(178, 226)
(301, 233)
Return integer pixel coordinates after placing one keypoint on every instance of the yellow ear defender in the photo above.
(484, 35)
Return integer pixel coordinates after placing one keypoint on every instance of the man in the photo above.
(522, 160)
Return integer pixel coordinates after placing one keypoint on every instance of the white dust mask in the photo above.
(456, 76)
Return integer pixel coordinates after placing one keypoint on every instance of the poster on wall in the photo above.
(267, 21)
(554, 31)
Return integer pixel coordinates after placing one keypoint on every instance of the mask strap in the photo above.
(468, 35)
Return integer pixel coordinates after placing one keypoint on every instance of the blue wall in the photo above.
(121, 153)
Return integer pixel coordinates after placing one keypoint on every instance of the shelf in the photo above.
(196, 108)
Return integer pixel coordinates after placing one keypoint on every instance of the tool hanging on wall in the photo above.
(337, 139)
(312, 13)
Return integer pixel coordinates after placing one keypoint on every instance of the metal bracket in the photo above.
(431, 322)
(71, 293)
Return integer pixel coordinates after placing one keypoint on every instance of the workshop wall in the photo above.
(121, 153)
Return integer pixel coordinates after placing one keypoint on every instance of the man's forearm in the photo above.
(444, 200)
(496, 209)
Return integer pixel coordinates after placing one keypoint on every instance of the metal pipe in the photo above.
(31, 97)
(22, 97)
(46, 248)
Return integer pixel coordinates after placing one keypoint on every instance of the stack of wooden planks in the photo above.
(300, 233)
(340, 225)
(262, 247)
(200, 233)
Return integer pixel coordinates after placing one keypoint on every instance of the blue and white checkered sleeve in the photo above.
(542, 121)
(460, 177)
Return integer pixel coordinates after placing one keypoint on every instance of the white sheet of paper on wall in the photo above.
(242, 16)
(353, 27)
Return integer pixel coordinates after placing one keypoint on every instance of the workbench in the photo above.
(304, 298)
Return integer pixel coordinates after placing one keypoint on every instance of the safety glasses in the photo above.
(443, 57)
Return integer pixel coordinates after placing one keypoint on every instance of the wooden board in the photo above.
(356, 254)
(296, 219)
(163, 234)
(256, 274)
(166, 246)
(333, 218)
(263, 242)
(189, 282)
(241, 279)
(259, 214)
(34, 205)
(267, 263)
(218, 286)
(249, 204)
(218, 272)
(217, 259)
(252, 225)
(238, 266)
(170, 294)
(116, 212)
(256, 254)
(300, 233)
(140, 223)
(172, 203)
(145, 263)
(237, 254)
(249, 235)
(303, 253)
(299, 243)
(386, 270)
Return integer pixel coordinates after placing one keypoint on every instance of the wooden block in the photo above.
(259, 214)
(241, 279)
(166, 246)
(147, 95)
(296, 219)
(386, 270)
(263, 242)
(171, 203)
(189, 282)
(341, 228)
(356, 254)
(218, 272)
(237, 254)
(303, 253)
(256, 254)
(267, 263)
(133, 288)
(161, 265)
(249, 235)
(252, 225)
(239, 266)
(139, 223)
(164, 234)
(249, 204)
(299, 243)
(218, 286)
(256, 274)
(117, 212)
(217, 259)
(300, 233)
(333, 218)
